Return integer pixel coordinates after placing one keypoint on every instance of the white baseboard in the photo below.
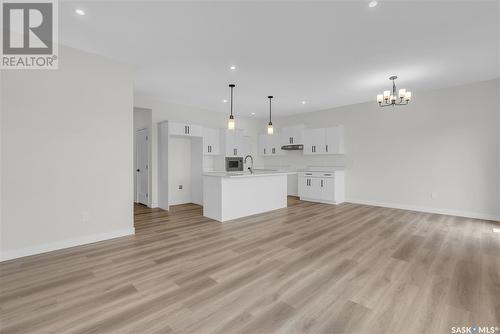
(475, 215)
(17, 253)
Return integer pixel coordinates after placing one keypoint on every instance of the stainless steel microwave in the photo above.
(234, 164)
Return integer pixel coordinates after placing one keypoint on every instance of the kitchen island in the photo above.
(228, 195)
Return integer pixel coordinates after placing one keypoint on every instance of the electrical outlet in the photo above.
(180, 186)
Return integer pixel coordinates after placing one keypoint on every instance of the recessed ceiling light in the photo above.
(373, 3)
(304, 102)
(253, 113)
(224, 101)
(232, 67)
(80, 12)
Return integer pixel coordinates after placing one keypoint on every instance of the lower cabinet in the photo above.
(323, 187)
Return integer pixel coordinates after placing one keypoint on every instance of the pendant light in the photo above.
(230, 122)
(270, 129)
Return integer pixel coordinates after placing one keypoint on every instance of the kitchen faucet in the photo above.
(251, 161)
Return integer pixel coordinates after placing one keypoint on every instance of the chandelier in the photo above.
(389, 98)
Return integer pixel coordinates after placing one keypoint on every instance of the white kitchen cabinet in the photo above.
(292, 135)
(306, 189)
(314, 141)
(270, 145)
(235, 144)
(324, 140)
(184, 129)
(211, 141)
(323, 187)
(245, 145)
(334, 140)
(327, 189)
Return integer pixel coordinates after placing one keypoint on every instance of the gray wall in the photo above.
(66, 154)
(441, 153)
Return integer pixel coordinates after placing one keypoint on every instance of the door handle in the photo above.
(138, 170)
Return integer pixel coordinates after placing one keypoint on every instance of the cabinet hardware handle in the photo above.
(264, 151)
(327, 174)
(321, 183)
(327, 148)
(188, 129)
(308, 173)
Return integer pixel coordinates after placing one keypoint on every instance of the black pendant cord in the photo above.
(270, 120)
(231, 86)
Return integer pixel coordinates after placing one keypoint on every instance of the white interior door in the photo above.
(142, 137)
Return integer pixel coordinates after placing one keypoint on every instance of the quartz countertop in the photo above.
(256, 173)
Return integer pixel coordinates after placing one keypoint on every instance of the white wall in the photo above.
(446, 143)
(179, 172)
(142, 120)
(163, 110)
(66, 139)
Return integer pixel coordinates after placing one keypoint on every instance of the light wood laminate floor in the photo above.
(309, 268)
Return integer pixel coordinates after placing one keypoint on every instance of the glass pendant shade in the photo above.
(270, 129)
(230, 123)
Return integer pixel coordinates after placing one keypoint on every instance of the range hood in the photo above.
(297, 147)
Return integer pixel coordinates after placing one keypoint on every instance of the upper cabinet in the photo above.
(334, 140)
(324, 140)
(184, 129)
(235, 143)
(270, 145)
(314, 141)
(211, 141)
(292, 135)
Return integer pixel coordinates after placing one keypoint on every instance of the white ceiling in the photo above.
(327, 53)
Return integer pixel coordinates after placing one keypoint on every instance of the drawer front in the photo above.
(317, 174)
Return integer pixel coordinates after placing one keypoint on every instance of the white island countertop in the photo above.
(232, 195)
(256, 173)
